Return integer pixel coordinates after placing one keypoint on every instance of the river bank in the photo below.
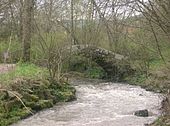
(23, 96)
(38, 94)
(26, 97)
(100, 103)
(158, 81)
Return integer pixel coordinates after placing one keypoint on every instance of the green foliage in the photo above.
(23, 70)
(87, 67)
(136, 79)
(14, 49)
(36, 95)
(156, 64)
(13, 116)
(95, 72)
(78, 63)
(63, 92)
(13, 46)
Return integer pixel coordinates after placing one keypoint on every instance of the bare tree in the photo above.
(157, 13)
(27, 16)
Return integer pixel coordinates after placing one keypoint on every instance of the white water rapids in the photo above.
(100, 104)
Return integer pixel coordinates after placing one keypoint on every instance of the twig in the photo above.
(11, 92)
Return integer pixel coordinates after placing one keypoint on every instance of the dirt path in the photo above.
(6, 67)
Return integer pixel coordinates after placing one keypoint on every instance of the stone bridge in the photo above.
(115, 65)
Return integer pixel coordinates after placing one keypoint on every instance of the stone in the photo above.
(142, 113)
(42, 104)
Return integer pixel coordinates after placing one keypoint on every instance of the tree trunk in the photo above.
(27, 28)
(72, 23)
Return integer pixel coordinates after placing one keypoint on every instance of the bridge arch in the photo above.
(115, 65)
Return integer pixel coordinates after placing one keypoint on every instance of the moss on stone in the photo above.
(41, 104)
(36, 95)
(13, 116)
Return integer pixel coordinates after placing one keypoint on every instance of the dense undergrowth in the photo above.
(157, 80)
(27, 90)
(86, 68)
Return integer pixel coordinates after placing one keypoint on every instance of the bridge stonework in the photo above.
(115, 65)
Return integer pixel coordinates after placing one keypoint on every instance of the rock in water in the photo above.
(142, 113)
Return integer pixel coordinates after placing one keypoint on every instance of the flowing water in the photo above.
(100, 104)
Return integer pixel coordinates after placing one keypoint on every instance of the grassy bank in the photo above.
(23, 71)
(27, 90)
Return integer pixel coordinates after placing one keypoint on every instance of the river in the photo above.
(100, 104)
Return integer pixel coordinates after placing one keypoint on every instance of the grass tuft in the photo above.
(21, 71)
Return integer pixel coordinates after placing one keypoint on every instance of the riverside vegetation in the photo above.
(33, 86)
(27, 90)
(39, 33)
